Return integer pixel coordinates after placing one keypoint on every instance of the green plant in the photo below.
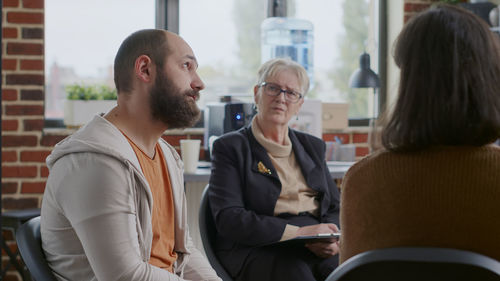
(80, 92)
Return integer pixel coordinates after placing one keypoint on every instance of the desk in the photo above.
(195, 183)
(337, 171)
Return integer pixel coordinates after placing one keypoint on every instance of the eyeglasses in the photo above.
(274, 90)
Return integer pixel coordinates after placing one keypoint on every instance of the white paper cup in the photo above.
(190, 153)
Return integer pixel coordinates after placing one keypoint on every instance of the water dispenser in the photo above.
(292, 38)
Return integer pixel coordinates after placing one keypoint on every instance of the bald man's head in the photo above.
(150, 42)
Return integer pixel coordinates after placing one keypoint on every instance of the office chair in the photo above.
(29, 242)
(417, 264)
(207, 233)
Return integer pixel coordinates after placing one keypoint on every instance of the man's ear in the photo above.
(143, 68)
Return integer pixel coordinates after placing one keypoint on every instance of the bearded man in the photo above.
(114, 206)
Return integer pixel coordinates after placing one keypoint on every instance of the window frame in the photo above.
(167, 17)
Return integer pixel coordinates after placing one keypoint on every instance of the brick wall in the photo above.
(23, 171)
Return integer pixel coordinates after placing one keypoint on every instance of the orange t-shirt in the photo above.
(156, 172)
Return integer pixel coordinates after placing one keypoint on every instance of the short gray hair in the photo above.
(274, 66)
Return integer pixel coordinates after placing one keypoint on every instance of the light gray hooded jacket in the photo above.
(96, 211)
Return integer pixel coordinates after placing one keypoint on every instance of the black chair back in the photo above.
(29, 242)
(417, 264)
(208, 233)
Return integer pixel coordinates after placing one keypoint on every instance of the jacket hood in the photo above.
(97, 136)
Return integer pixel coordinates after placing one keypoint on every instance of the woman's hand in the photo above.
(323, 249)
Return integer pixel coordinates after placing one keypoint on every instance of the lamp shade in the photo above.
(364, 77)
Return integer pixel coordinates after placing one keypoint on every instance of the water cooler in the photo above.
(283, 37)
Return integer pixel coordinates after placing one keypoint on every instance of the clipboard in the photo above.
(321, 237)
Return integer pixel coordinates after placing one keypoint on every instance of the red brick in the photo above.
(331, 137)
(32, 65)
(51, 140)
(33, 4)
(24, 17)
(174, 139)
(33, 125)
(34, 155)
(11, 3)
(9, 187)
(9, 32)
(44, 171)
(9, 156)
(9, 94)
(415, 7)
(19, 172)
(32, 33)
(19, 204)
(27, 49)
(24, 110)
(33, 187)
(24, 79)
(10, 125)
(202, 154)
(32, 95)
(360, 138)
(9, 64)
(16, 141)
(362, 151)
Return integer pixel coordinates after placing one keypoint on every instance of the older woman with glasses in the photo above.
(270, 184)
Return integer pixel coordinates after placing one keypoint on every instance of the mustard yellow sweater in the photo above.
(441, 197)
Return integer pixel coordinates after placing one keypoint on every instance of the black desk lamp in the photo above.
(364, 77)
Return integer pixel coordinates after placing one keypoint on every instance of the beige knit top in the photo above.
(295, 196)
(442, 197)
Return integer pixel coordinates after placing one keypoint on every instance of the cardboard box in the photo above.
(309, 118)
(335, 115)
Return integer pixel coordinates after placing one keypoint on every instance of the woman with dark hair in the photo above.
(437, 182)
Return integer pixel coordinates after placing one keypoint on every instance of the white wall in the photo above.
(394, 25)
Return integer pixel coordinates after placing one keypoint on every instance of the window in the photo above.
(226, 38)
(82, 37)
(81, 41)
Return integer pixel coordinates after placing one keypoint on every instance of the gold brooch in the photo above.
(263, 168)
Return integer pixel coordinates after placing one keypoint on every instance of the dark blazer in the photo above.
(243, 199)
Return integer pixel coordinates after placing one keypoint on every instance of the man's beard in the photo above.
(171, 105)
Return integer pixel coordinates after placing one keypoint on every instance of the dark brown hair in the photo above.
(150, 42)
(449, 89)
